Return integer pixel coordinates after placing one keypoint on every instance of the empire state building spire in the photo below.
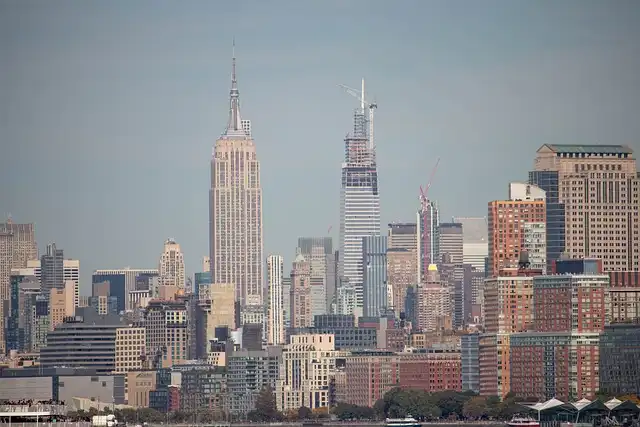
(234, 125)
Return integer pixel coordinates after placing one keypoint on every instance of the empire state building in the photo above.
(235, 207)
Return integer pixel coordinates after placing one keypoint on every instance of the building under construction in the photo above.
(359, 197)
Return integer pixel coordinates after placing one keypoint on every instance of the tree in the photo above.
(304, 413)
(266, 408)
(475, 408)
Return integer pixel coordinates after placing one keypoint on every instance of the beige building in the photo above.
(167, 331)
(301, 316)
(70, 271)
(433, 308)
(451, 243)
(140, 383)
(600, 188)
(402, 272)
(130, 349)
(306, 372)
(171, 265)
(222, 311)
(61, 304)
(235, 210)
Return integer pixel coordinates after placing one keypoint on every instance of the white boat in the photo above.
(407, 421)
(523, 422)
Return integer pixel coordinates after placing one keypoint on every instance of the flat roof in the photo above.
(590, 149)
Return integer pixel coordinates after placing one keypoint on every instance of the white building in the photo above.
(171, 265)
(475, 245)
(275, 309)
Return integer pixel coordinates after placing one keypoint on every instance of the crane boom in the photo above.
(364, 104)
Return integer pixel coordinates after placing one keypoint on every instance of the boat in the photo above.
(407, 421)
(523, 422)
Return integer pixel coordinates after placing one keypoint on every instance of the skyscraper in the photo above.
(475, 245)
(51, 270)
(171, 265)
(593, 193)
(275, 311)
(319, 252)
(428, 237)
(374, 259)
(235, 209)
(359, 200)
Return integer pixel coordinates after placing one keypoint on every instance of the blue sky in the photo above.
(109, 110)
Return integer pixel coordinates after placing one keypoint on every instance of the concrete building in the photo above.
(87, 340)
(451, 242)
(403, 235)
(61, 304)
(301, 315)
(374, 258)
(249, 372)
(122, 282)
(167, 333)
(475, 242)
(171, 266)
(624, 301)
(222, 311)
(70, 385)
(235, 209)
(507, 220)
(433, 302)
(131, 343)
(359, 201)
(17, 246)
(203, 388)
(275, 309)
(307, 356)
(586, 182)
(139, 384)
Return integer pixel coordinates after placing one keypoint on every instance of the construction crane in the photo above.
(364, 104)
(424, 205)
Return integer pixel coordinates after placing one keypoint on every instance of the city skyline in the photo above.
(596, 103)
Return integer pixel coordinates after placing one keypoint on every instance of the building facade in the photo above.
(374, 268)
(275, 309)
(171, 266)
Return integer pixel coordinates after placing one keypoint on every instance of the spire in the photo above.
(235, 124)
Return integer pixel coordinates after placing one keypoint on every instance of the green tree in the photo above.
(266, 408)
(475, 408)
(304, 413)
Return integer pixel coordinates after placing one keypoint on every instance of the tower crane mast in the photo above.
(364, 105)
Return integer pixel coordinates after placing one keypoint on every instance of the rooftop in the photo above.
(590, 149)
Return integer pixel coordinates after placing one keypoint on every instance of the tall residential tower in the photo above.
(359, 198)
(235, 210)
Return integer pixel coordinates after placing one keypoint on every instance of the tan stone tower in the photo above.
(235, 210)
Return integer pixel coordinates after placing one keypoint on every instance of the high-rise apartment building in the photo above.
(451, 242)
(235, 210)
(171, 265)
(275, 309)
(374, 260)
(517, 225)
(402, 272)
(359, 201)
(428, 220)
(61, 304)
(475, 245)
(301, 315)
(599, 188)
(434, 302)
(167, 331)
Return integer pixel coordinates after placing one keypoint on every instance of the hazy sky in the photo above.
(109, 110)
